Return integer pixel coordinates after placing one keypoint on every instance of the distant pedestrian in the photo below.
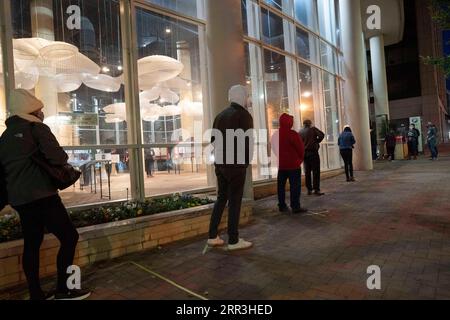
(432, 141)
(149, 162)
(290, 150)
(413, 142)
(374, 143)
(346, 144)
(391, 143)
(312, 137)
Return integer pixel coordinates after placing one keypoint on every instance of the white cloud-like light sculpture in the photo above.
(58, 51)
(168, 95)
(115, 112)
(150, 95)
(156, 69)
(152, 112)
(171, 110)
(176, 83)
(102, 82)
(67, 82)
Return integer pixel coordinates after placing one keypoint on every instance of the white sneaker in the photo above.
(241, 245)
(217, 242)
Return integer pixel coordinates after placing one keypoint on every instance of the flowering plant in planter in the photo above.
(10, 228)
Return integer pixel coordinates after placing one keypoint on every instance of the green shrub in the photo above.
(10, 228)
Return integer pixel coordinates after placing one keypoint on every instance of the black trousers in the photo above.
(35, 217)
(312, 170)
(347, 156)
(413, 149)
(295, 182)
(231, 183)
(391, 152)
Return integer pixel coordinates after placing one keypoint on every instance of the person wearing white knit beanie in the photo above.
(33, 195)
(26, 106)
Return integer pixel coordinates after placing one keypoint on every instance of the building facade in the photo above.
(417, 92)
(131, 87)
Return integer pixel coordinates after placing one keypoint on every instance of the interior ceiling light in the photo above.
(102, 82)
(58, 51)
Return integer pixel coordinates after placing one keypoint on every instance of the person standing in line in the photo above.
(290, 150)
(346, 144)
(413, 142)
(231, 173)
(34, 196)
(149, 162)
(432, 141)
(391, 143)
(374, 143)
(312, 137)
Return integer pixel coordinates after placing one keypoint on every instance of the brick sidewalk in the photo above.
(396, 217)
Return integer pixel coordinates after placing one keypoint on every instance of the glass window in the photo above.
(250, 18)
(306, 46)
(74, 66)
(310, 85)
(328, 57)
(171, 99)
(306, 13)
(275, 79)
(193, 8)
(282, 5)
(331, 106)
(272, 28)
(327, 20)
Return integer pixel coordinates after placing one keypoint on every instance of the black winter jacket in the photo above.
(234, 117)
(25, 180)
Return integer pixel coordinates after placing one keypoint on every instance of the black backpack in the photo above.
(3, 191)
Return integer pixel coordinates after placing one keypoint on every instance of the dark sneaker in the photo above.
(73, 295)
(299, 211)
(283, 209)
(310, 193)
(319, 194)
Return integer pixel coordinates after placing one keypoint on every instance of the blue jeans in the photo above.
(433, 150)
(295, 181)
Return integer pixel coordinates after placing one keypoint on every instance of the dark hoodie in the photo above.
(291, 151)
(25, 180)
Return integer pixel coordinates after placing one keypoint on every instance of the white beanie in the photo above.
(238, 94)
(23, 102)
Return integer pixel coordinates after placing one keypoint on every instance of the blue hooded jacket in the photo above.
(346, 141)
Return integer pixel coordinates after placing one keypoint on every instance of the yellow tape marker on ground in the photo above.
(167, 280)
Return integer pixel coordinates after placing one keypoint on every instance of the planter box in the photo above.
(112, 240)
